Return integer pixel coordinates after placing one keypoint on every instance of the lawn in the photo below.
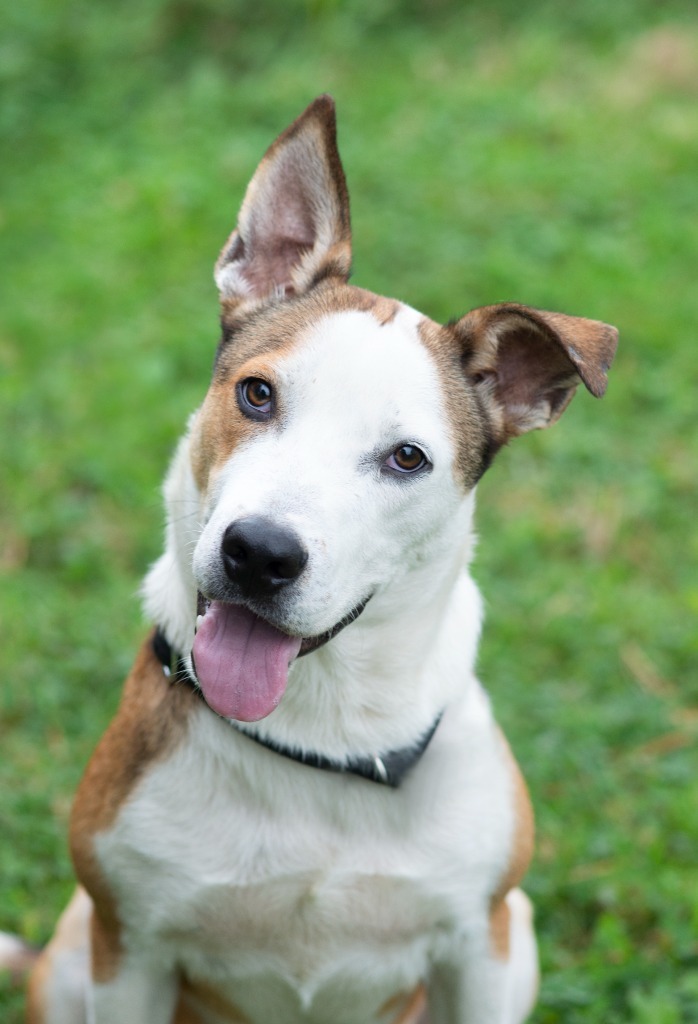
(541, 153)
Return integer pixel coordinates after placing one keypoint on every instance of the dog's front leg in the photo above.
(486, 982)
(470, 992)
(128, 985)
(138, 993)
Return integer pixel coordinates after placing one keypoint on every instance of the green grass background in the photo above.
(539, 152)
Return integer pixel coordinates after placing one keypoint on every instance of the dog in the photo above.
(303, 811)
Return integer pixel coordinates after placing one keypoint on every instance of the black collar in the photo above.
(389, 768)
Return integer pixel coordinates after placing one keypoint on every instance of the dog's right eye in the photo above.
(255, 398)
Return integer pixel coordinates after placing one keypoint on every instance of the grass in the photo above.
(541, 153)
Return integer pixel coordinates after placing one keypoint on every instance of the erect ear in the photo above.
(293, 227)
(525, 364)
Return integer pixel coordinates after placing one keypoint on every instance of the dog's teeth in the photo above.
(199, 620)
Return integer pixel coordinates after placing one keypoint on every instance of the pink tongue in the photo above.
(241, 662)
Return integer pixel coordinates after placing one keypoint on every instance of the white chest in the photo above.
(254, 872)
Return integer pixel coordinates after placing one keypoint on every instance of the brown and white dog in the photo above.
(303, 812)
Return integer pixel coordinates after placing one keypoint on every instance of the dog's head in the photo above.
(333, 460)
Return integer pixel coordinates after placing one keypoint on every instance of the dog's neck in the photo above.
(384, 680)
(377, 685)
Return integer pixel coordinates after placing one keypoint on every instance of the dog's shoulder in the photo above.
(150, 724)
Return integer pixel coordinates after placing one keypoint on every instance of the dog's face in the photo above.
(327, 470)
(343, 433)
(329, 446)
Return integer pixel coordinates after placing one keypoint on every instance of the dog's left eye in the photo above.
(406, 459)
(255, 397)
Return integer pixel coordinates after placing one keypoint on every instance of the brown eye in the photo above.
(255, 398)
(408, 458)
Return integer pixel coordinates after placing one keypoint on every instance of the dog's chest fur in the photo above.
(290, 892)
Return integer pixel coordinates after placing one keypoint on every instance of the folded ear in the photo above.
(525, 364)
(293, 227)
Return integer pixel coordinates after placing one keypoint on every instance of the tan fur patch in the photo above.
(186, 1015)
(264, 329)
(499, 929)
(409, 1007)
(199, 1002)
(105, 940)
(385, 310)
(220, 427)
(36, 1003)
(519, 856)
(471, 436)
(150, 723)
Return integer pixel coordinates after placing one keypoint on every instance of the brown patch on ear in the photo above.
(293, 228)
(149, 725)
(519, 856)
(525, 363)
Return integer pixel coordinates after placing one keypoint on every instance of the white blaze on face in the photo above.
(348, 394)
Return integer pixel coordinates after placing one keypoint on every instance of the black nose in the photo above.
(261, 557)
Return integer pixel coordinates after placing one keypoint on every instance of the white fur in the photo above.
(288, 887)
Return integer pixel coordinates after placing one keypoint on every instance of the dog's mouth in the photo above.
(241, 661)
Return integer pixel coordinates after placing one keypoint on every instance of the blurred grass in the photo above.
(541, 153)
